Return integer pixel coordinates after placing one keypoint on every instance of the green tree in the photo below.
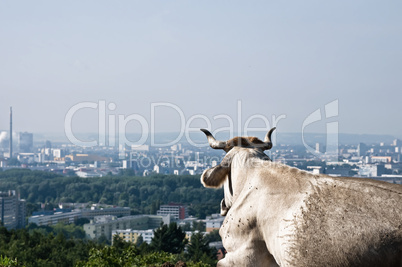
(38, 249)
(119, 243)
(82, 221)
(109, 257)
(169, 239)
(186, 227)
(199, 247)
(103, 240)
(198, 226)
(140, 240)
(7, 262)
(30, 208)
(213, 236)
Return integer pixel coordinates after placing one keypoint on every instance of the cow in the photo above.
(277, 215)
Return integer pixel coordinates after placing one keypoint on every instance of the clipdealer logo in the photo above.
(112, 127)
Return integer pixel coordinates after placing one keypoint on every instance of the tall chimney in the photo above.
(11, 132)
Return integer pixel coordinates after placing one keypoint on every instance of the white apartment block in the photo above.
(58, 217)
(131, 236)
(105, 225)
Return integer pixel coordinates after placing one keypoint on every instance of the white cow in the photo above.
(279, 215)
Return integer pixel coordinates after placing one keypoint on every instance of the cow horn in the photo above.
(212, 141)
(267, 139)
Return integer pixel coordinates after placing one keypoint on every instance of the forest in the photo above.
(143, 195)
(66, 245)
(33, 248)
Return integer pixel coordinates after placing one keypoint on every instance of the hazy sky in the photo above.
(203, 57)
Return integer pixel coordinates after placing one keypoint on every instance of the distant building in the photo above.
(22, 212)
(67, 216)
(361, 149)
(190, 221)
(140, 147)
(177, 211)
(132, 236)
(25, 142)
(4, 140)
(87, 174)
(214, 222)
(397, 142)
(57, 217)
(319, 148)
(126, 164)
(27, 158)
(116, 211)
(12, 210)
(105, 225)
(58, 153)
(337, 172)
(315, 169)
(86, 157)
(48, 144)
(156, 169)
(381, 159)
(371, 170)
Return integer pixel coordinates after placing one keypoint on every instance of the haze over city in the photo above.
(204, 58)
(118, 125)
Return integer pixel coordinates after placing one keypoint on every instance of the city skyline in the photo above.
(192, 132)
(278, 59)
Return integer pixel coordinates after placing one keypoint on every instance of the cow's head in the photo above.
(216, 176)
(250, 142)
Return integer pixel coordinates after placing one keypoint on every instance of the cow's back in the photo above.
(348, 222)
(317, 220)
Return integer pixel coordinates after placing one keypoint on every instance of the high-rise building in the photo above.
(361, 149)
(177, 211)
(11, 132)
(25, 142)
(318, 147)
(48, 144)
(22, 212)
(58, 153)
(397, 142)
(12, 210)
(4, 142)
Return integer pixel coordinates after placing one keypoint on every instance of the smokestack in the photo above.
(11, 132)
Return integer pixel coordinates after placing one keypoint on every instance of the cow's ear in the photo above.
(214, 177)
